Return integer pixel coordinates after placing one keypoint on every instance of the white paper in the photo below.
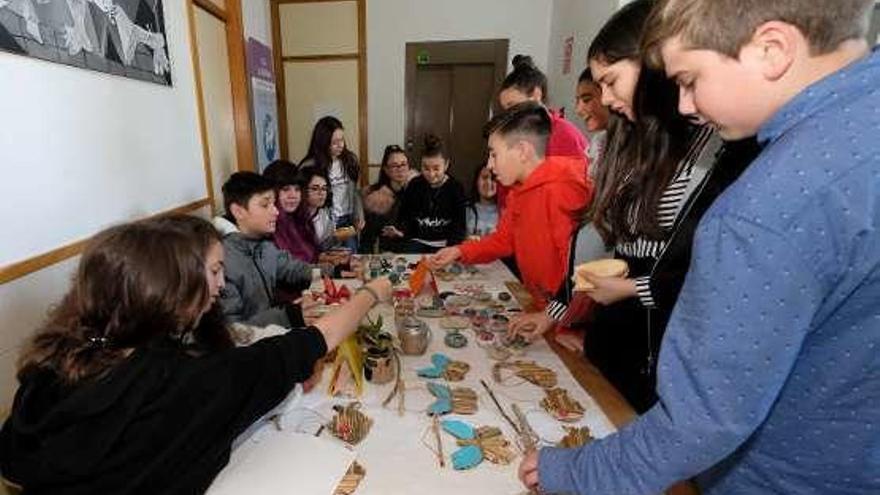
(284, 462)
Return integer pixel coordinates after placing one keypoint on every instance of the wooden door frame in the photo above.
(490, 51)
(231, 17)
(360, 56)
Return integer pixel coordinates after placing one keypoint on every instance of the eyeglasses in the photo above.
(318, 188)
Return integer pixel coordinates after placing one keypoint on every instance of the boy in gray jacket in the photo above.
(254, 265)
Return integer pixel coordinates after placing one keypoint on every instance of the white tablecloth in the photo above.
(397, 454)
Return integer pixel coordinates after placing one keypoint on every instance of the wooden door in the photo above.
(473, 87)
(433, 107)
(450, 92)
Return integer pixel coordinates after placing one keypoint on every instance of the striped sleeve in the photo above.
(556, 310)
(643, 290)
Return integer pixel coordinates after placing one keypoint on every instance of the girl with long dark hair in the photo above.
(294, 229)
(659, 174)
(132, 386)
(330, 156)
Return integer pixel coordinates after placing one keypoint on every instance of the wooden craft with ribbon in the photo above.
(527, 370)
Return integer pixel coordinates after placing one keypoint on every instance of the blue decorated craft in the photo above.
(458, 400)
(484, 442)
(445, 367)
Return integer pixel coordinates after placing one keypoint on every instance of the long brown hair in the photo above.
(135, 283)
(640, 158)
(319, 149)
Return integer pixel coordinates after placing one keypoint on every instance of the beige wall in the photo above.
(333, 91)
(314, 89)
(393, 23)
(319, 28)
(23, 306)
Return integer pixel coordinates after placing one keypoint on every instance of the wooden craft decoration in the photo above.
(484, 442)
(455, 323)
(458, 400)
(351, 480)
(347, 369)
(458, 270)
(399, 389)
(456, 370)
(443, 366)
(349, 424)
(561, 406)
(575, 437)
(527, 370)
(597, 268)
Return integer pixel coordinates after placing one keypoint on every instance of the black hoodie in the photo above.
(163, 421)
(434, 213)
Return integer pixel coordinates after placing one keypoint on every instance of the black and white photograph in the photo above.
(121, 37)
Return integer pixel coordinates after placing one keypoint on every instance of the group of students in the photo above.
(731, 165)
(321, 208)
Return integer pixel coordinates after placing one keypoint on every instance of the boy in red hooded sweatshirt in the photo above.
(547, 196)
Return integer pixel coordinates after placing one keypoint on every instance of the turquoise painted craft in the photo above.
(459, 400)
(440, 362)
(469, 455)
(443, 404)
(444, 367)
(485, 442)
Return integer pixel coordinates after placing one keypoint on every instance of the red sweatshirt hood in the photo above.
(569, 171)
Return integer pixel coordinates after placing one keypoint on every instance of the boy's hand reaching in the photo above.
(528, 470)
(443, 257)
(530, 325)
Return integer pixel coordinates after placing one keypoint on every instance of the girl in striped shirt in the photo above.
(659, 174)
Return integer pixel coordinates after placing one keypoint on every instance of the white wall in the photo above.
(393, 23)
(257, 20)
(81, 150)
(582, 20)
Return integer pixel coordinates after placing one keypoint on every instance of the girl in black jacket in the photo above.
(432, 215)
(133, 385)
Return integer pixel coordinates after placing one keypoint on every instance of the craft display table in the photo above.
(399, 453)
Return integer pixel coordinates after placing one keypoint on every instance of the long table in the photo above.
(399, 453)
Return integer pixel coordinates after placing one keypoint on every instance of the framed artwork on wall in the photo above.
(121, 37)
